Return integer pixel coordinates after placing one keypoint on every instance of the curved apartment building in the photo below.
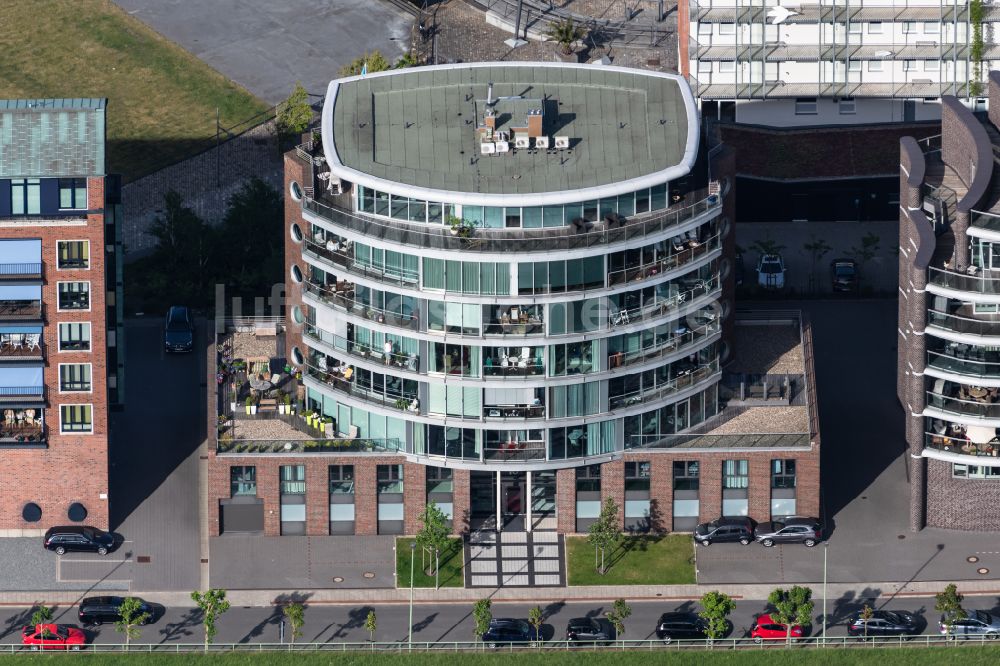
(508, 293)
(949, 332)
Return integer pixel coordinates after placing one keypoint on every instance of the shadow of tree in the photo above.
(629, 544)
(355, 620)
(14, 623)
(182, 628)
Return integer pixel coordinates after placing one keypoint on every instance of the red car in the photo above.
(764, 628)
(53, 637)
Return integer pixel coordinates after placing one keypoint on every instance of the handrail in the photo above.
(250, 445)
(665, 348)
(662, 265)
(963, 406)
(21, 268)
(668, 388)
(661, 306)
(508, 240)
(981, 283)
(741, 441)
(961, 445)
(350, 387)
(341, 301)
(963, 324)
(968, 366)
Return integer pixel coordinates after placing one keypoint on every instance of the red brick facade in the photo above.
(71, 468)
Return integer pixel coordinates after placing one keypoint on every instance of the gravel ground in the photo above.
(269, 429)
(248, 345)
(766, 420)
(775, 350)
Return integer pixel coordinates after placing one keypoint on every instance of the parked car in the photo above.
(766, 629)
(796, 529)
(53, 637)
(78, 538)
(975, 623)
(844, 275)
(178, 330)
(724, 529)
(679, 626)
(508, 630)
(98, 610)
(771, 271)
(884, 623)
(588, 630)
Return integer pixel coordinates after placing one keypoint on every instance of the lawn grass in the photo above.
(451, 565)
(935, 656)
(161, 99)
(641, 560)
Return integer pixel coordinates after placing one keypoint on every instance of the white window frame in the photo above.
(90, 297)
(59, 340)
(847, 106)
(875, 27)
(932, 28)
(704, 28)
(91, 366)
(801, 111)
(854, 28)
(727, 67)
(704, 66)
(73, 240)
(875, 66)
(62, 431)
(909, 65)
(853, 65)
(727, 28)
(932, 65)
(909, 27)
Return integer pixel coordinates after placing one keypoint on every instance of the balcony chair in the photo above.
(31, 341)
(17, 341)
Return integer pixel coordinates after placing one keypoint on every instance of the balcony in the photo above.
(23, 426)
(514, 321)
(681, 339)
(660, 307)
(21, 272)
(742, 441)
(978, 282)
(612, 231)
(969, 401)
(514, 411)
(18, 347)
(960, 324)
(341, 378)
(21, 310)
(342, 297)
(253, 446)
(683, 251)
(961, 359)
(686, 378)
(22, 395)
(954, 438)
(342, 256)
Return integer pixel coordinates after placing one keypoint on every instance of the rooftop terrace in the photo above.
(419, 128)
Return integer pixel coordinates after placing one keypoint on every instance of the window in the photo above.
(853, 65)
(875, 28)
(909, 65)
(74, 377)
(874, 65)
(73, 254)
(782, 473)
(704, 67)
(854, 28)
(806, 106)
(727, 67)
(727, 28)
(704, 28)
(847, 106)
(25, 196)
(588, 478)
(74, 337)
(76, 419)
(242, 481)
(72, 193)
(686, 474)
(389, 479)
(932, 65)
(74, 295)
(735, 474)
(909, 27)
(293, 479)
(439, 480)
(931, 27)
(637, 475)
(975, 472)
(341, 479)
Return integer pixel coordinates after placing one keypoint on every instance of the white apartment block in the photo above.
(790, 63)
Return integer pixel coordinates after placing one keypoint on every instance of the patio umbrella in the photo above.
(978, 434)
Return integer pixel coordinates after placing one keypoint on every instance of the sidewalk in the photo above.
(264, 598)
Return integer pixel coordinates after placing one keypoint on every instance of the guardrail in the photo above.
(20, 269)
(979, 283)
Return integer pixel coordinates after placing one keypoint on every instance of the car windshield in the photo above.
(775, 526)
(843, 270)
(984, 617)
(893, 618)
(90, 533)
(177, 322)
(705, 528)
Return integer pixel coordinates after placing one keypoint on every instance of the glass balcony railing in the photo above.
(508, 240)
(959, 324)
(971, 367)
(660, 307)
(690, 251)
(688, 378)
(972, 401)
(397, 359)
(21, 310)
(346, 260)
(980, 282)
(21, 271)
(957, 443)
(682, 339)
(344, 300)
(744, 441)
(337, 380)
(342, 445)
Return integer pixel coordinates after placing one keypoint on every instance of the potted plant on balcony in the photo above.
(251, 405)
(234, 394)
(459, 227)
(328, 426)
(289, 407)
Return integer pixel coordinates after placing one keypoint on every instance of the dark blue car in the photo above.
(178, 331)
(508, 630)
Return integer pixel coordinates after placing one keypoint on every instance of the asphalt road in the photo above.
(434, 622)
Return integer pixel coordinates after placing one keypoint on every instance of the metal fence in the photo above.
(649, 645)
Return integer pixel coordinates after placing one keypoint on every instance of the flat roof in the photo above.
(414, 131)
(52, 137)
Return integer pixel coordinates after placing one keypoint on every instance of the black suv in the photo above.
(680, 626)
(97, 610)
(806, 531)
(844, 275)
(79, 538)
(724, 529)
(178, 331)
(883, 623)
(589, 630)
(508, 630)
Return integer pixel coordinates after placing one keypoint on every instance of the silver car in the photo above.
(975, 623)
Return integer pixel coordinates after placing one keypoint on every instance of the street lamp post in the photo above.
(413, 556)
(825, 547)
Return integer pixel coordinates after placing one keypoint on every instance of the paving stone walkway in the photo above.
(514, 559)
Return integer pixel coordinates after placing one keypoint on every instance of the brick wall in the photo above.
(566, 500)
(461, 500)
(963, 504)
(295, 171)
(414, 495)
(73, 468)
(613, 486)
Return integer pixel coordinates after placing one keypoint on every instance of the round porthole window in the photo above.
(297, 314)
(296, 233)
(77, 512)
(296, 274)
(724, 352)
(724, 269)
(297, 356)
(31, 512)
(295, 190)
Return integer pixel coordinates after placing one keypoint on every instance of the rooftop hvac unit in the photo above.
(522, 142)
(503, 147)
(541, 142)
(487, 148)
(562, 142)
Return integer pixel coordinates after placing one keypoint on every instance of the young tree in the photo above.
(482, 614)
(295, 612)
(564, 33)
(817, 249)
(866, 251)
(716, 608)
(791, 607)
(535, 619)
(254, 256)
(212, 603)
(185, 247)
(949, 604)
(295, 113)
(619, 612)
(433, 534)
(132, 616)
(866, 614)
(604, 533)
(371, 624)
(371, 62)
(42, 615)
(767, 246)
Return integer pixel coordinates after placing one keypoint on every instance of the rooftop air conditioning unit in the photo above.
(522, 142)
(541, 142)
(503, 147)
(562, 142)
(487, 148)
